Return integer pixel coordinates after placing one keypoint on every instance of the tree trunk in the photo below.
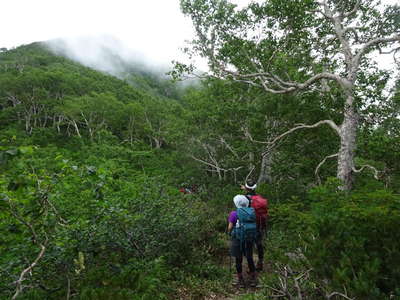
(348, 134)
(76, 128)
(265, 171)
(251, 161)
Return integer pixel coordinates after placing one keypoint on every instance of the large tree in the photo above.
(297, 46)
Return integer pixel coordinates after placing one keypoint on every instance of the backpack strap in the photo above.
(249, 198)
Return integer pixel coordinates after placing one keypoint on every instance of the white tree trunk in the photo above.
(266, 167)
(348, 136)
(76, 128)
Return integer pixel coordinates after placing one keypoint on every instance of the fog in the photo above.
(108, 54)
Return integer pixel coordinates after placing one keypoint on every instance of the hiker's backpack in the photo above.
(246, 227)
(260, 205)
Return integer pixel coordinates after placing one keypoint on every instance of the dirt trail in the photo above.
(232, 291)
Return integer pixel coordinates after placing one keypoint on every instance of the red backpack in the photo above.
(260, 205)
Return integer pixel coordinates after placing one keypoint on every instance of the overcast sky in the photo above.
(155, 28)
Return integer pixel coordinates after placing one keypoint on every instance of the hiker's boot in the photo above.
(253, 279)
(259, 266)
(239, 281)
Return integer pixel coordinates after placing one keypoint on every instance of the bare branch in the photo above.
(321, 163)
(255, 65)
(394, 50)
(376, 172)
(21, 278)
(224, 142)
(329, 296)
(283, 86)
(248, 135)
(288, 282)
(251, 171)
(328, 122)
(280, 295)
(215, 167)
(42, 245)
(207, 163)
(297, 286)
(249, 82)
(374, 42)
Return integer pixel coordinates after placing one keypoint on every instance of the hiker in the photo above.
(242, 240)
(260, 206)
(185, 188)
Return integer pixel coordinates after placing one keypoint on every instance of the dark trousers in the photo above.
(238, 250)
(259, 245)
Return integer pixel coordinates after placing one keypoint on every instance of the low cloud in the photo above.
(107, 54)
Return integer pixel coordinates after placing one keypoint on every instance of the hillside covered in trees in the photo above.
(92, 165)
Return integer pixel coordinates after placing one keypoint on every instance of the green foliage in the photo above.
(335, 242)
(90, 168)
(134, 280)
(96, 215)
(355, 241)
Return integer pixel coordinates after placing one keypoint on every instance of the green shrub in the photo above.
(132, 230)
(355, 242)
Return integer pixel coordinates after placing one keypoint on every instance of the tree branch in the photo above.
(321, 163)
(329, 296)
(328, 122)
(248, 135)
(374, 42)
(208, 164)
(376, 172)
(42, 246)
(21, 278)
(251, 171)
(224, 142)
(353, 11)
(283, 86)
(388, 52)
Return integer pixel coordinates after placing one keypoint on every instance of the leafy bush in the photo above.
(107, 229)
(355, 243)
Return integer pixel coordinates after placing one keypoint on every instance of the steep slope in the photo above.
(39, 89)
(35, 63)
(89, 174)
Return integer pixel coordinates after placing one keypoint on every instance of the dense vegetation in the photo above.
(91, 168)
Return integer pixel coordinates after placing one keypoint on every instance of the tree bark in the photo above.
(348, 137)
(265, 171)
